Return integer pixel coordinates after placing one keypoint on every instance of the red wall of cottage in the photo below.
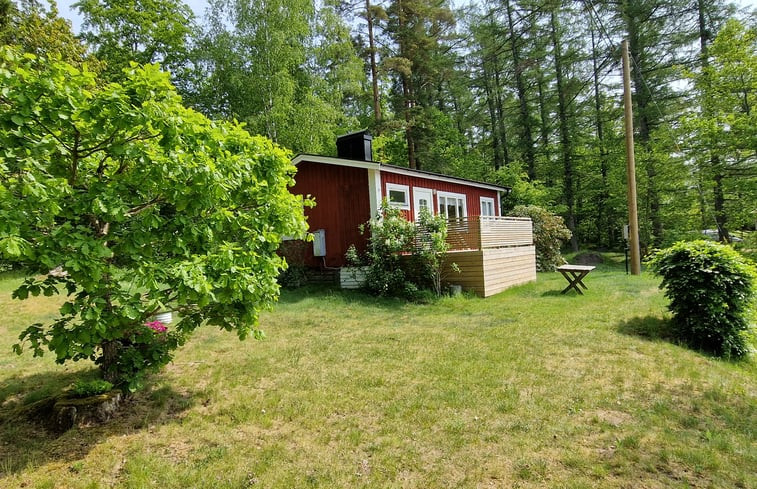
(473, 194)
(342, 204)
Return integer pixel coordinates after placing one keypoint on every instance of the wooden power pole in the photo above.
(633, 216)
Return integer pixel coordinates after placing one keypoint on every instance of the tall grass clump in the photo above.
(711, 288)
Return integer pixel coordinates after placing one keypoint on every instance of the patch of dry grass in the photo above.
(529, 389)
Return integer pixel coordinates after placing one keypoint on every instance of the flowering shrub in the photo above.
(402, 258)
(145, 349)
(157, 326)
(390, 235)
(549, 234)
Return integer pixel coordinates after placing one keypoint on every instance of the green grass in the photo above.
(528, 388)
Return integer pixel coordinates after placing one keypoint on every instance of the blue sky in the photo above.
(67, 12)
(199, 9)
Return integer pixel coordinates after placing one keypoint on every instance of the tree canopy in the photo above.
(142, 205)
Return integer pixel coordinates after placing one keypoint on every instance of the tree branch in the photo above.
(136, 210)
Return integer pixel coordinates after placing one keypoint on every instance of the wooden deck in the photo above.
(492, 253)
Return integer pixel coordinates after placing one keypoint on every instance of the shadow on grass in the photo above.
(347, 296)
(649, 327)
(299, 294)
(556, 293)
(25, 436)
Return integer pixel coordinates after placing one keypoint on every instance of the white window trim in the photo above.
(487, 200)
(463, 197)
(430, 192)
(374, 191)
(399, 188)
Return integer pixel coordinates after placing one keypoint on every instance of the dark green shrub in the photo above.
(549, 234)
(86, 388)
(710, 287)
(295, 273)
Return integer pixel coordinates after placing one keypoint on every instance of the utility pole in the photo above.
(633, 216)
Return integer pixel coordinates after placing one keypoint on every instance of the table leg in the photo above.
(572, 282)
(581, 280)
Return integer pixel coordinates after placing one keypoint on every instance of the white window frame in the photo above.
(486, 202)
(425, 191)
(451, 195)
(394, 187)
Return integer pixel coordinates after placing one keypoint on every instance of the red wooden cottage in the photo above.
(348, 190)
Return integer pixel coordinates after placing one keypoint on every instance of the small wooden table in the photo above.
(575, 274)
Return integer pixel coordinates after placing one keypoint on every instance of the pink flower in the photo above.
(157, 326)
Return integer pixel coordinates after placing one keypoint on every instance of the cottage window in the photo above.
(452, 206)
(487, 207)
(398, 195)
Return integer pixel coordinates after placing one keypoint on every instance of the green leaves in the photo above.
(13, 247)
(137, 202)
(710, 287)
(549, 234)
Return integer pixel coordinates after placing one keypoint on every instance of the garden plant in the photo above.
(711, 289)
(402, 257)
(139, 205)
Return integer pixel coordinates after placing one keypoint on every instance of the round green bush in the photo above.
(550, 233)
(711, 288)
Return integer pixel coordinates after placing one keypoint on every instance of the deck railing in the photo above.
(482, 232)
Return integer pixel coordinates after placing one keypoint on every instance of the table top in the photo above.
(575, 268)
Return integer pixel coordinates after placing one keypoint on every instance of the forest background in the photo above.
(522, 93)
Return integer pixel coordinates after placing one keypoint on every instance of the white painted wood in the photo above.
(374, 190)
(352, 277)
(422, 197)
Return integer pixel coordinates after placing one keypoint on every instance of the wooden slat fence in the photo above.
(479, 233)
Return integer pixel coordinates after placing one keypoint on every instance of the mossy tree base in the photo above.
(66, 412)
(61, 413)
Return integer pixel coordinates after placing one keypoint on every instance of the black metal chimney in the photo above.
(355, 146)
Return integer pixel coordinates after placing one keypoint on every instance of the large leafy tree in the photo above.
(723, 134)
(141, 31)
(422, 63)
(41, 31)
(280, 66)
(141, 205)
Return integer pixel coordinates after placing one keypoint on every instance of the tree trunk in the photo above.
(500, 115)
(721, 218)
(527, 141)
(111, 352)
(374, 69)
(496, 149)
(565, 144)
(603, 225)
(412, 163)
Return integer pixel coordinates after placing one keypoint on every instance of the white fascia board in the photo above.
(374, 191)
(440, 178)
(329, 160)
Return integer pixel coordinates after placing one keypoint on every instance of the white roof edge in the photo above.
(330, 160)
(442, 178)
(372, 165)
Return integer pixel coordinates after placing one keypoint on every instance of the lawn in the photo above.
(528, 388)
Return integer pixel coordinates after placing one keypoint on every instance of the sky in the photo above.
(68, 12)
(198, 6)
